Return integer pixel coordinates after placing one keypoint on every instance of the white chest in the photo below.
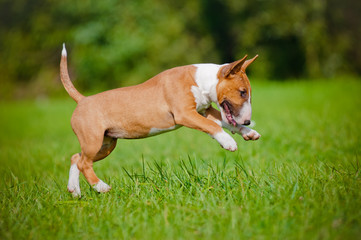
(206, 79)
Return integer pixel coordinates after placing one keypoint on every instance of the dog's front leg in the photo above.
(193, 119)
(247, 133)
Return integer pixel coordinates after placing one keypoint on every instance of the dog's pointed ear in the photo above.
(247, 63)
(233, 68)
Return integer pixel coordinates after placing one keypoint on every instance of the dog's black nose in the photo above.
(247, 122)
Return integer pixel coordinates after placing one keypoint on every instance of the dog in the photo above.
(180, 96)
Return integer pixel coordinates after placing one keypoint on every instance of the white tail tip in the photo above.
(63, 53)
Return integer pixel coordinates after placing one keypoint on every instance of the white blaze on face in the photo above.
(245, 112)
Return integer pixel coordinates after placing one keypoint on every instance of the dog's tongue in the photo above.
(229, 115)
(231, 120)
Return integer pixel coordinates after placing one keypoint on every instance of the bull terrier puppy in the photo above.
(180, 96)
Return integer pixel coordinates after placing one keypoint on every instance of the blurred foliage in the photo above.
(118, 43)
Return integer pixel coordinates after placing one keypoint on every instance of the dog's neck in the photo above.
(206, 78)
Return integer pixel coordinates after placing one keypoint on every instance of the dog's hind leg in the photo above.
(73, 183)
(92, 152)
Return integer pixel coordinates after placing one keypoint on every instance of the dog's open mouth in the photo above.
(227, 107)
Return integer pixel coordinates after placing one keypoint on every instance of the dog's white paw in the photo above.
(74, 190)
(73, 183)
(250, 134)
(226, 141)
(101, 187)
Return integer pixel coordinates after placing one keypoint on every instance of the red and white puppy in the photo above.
(180, 96)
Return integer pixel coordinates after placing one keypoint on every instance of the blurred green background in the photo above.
(119, 43)
(301, 180)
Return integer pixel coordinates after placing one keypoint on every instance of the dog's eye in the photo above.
(243, 94)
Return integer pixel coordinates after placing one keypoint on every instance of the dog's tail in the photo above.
(65, 79)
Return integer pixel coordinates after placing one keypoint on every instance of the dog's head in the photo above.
(234, 92)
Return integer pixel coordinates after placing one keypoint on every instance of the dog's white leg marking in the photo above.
(73, 184)
(226, 141)
(249, 134)
(101, 187)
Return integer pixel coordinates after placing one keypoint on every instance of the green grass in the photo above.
(301, 180)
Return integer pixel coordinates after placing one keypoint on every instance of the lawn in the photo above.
(301, 180)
